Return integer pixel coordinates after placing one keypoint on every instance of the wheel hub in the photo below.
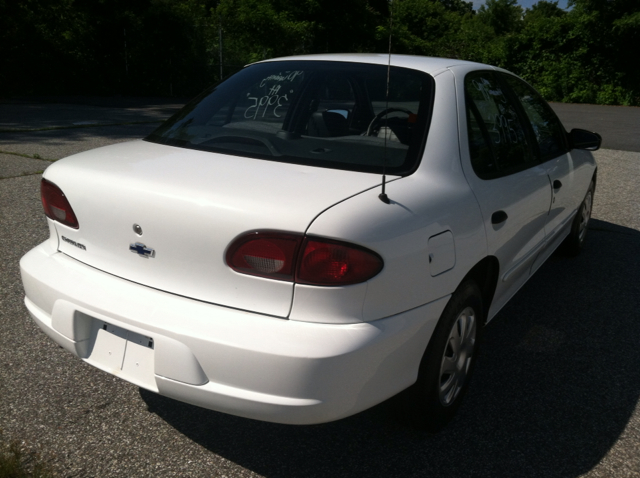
(457, 356)
(585, 215)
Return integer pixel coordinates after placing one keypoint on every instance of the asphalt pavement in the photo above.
(556, 391)
(619, 126)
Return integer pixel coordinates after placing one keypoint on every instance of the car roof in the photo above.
(427, 64)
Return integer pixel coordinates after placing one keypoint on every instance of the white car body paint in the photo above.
(255, 366)
(267, 349)
(191, 205)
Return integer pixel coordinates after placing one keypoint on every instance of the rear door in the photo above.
(510, 185)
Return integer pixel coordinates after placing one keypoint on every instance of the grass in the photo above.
(15, 463)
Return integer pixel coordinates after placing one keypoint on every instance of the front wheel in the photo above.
(447, 364)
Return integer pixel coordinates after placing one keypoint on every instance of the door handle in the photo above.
(557, 184)
(498, 217)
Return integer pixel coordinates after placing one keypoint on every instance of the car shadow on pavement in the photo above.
(555, 388)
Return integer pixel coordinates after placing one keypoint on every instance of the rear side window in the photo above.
(318, 113)
(498, 140)
(547, 129)
(482, 158)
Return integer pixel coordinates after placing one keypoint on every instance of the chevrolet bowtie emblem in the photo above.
(142, 250)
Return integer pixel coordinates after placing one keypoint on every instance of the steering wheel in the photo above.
(377, 118)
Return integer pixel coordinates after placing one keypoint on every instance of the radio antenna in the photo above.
(383, 195)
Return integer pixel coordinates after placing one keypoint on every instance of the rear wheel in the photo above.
(574, 242)
(447, 364)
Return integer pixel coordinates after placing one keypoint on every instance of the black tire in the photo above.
(574, 242)
(445, 373)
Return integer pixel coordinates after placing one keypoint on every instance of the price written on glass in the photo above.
(503, 130)
(273, 101)
(503, 127)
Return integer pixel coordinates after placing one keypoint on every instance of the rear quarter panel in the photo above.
(433, 200)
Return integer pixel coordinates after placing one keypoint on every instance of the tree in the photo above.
(164, 47)
(610, 33)
(504, 16)
(259, 29)
(581, 55)
(543, 51)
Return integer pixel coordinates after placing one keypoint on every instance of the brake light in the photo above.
(325, 262)
(56, 206)
(294, 257)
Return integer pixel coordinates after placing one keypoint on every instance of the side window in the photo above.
(548, 130)
(494, 126)
(482, 158)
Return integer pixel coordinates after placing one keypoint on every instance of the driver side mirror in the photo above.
(583, 139)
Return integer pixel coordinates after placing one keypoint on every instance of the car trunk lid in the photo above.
(164, 216)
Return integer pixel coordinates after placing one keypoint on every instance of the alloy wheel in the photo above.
(457, 356)
(585, 215)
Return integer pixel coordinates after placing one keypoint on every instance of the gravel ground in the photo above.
(555, 393)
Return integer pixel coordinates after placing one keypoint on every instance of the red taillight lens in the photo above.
(56, 206)
(265, 254)
(313, 261)
(335, 263)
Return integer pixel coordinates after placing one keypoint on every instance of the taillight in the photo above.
(56, 206)
(324, 262)
(294, 257)
(265, 254)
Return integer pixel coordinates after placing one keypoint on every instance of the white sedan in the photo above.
(312, 236)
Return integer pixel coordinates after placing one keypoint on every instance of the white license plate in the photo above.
(124, 353)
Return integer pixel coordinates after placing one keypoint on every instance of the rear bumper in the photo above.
(219, 358)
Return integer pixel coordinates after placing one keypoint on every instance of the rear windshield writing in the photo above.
(327, 114)
(270, 99)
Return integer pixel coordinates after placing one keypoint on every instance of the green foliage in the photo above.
(177, 47)
(581, 56)
(422, 27)
(458, 6)
(152, 47)
(253, 30)
(476, 41)
(503, 16)
(16, 464)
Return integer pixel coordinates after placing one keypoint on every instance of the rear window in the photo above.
(318, 113)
